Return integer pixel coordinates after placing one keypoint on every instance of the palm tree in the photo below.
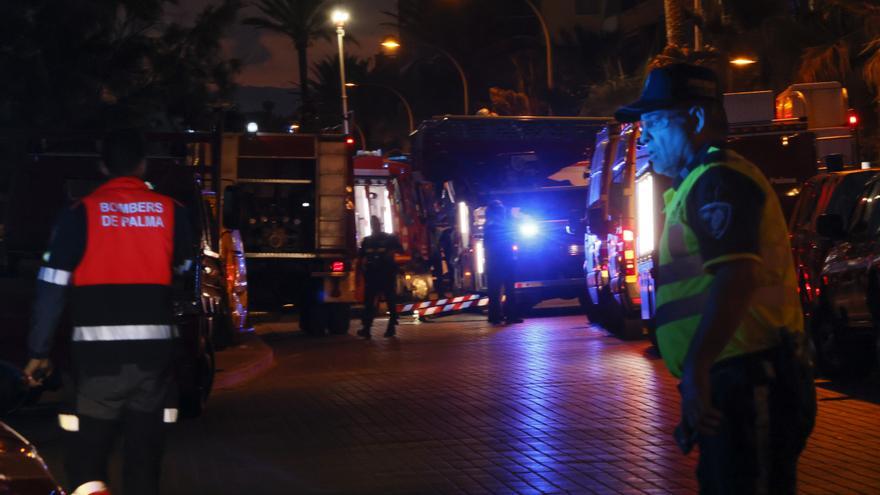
(848, 33)
(303, 21)
(676, 35)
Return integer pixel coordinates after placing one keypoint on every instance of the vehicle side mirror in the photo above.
(597, 223)
(831, 226)
(232, 208)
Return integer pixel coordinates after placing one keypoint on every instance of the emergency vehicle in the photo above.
(388, 188)
(788, 137)
(292, 197)
(56, 170)
(536, 166)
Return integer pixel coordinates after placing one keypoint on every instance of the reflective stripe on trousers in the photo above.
(103, 333)
(70, 422)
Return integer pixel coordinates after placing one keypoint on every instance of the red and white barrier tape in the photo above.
(417, 307)
(448, 308)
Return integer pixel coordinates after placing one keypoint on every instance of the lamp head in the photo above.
(340, 17)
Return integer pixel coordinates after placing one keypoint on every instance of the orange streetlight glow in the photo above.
(742, 61)
(391, 44)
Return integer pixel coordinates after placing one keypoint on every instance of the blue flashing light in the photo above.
(528, 229)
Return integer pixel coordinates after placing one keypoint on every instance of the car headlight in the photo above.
(528, 229)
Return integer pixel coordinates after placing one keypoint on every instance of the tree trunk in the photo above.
(303, 61)
(675, 23)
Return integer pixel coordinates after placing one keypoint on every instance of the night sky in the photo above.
(270, 60)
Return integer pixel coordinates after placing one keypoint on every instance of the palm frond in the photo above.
(871, 71)
(826, 61)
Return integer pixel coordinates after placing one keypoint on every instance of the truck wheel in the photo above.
(339, 318)
(524, 308)
(314, 318)
(837, 357)
(589, 307)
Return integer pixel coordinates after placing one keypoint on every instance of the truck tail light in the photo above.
(852, 118)
(337, 266)
(629, 255)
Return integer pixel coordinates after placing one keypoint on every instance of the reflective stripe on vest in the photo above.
(109, 333)
(54, 276)
(683, 285)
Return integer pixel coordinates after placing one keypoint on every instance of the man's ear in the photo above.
(698, 118)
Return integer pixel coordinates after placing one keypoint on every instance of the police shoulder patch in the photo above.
(716, 218)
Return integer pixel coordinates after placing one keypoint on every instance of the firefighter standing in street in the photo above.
(376, 257)
(117, 250)
(500, 264)
(729, 323)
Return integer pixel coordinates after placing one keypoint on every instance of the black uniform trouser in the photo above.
(768, 403)
(131, 402)
(375, 284)
(497, 277)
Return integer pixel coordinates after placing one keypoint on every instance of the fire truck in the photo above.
(536, 166)
(292, 198)
(387, 187)
(788, 137)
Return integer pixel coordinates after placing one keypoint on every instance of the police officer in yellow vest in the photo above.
(729, 324)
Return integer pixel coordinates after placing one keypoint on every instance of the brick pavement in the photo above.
(457, 406)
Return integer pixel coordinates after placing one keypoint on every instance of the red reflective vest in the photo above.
(129, 237)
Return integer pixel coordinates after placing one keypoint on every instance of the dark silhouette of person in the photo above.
(376, 258)
(500, 264)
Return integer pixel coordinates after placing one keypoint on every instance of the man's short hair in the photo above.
(122, 150)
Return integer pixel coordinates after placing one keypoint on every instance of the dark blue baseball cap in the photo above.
(669, 86)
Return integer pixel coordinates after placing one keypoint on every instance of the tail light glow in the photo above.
(337, 267)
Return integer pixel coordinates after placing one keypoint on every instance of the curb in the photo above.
(243, 362)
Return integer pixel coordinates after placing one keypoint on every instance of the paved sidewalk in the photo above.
(457, 406)
(553, 405)
(242, 362)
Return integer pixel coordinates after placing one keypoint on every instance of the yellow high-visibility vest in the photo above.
(683, 281)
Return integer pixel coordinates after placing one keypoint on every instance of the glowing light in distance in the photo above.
(743, 61)
(528, 229)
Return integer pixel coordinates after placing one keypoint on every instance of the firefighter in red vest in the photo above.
(113, 254)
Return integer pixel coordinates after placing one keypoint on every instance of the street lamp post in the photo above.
(340, 17)
(737, 64)
(391, 45)
(548, 44)
(406, 106)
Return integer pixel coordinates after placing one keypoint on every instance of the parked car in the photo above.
(844, 325)
(826, 193)
(22, 470)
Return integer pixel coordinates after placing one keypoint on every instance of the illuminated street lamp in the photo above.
(390, 45)
(739, 64)
(742, 61)
(406, 106)
(339, 18)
